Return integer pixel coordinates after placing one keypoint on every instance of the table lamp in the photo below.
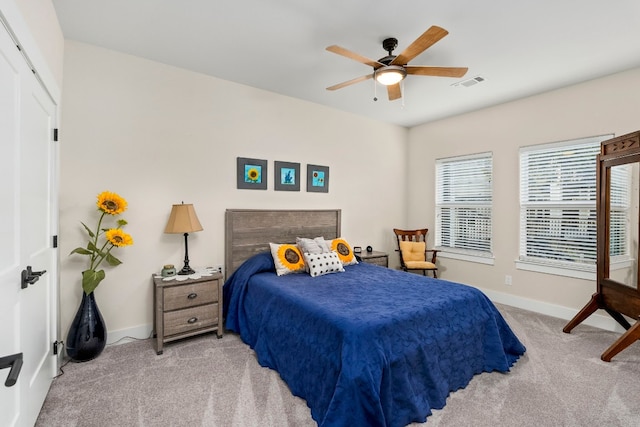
(183, 219)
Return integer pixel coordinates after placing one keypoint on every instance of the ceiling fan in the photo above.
(391, 69)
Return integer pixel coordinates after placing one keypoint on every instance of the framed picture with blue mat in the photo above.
(251, 174)
(317, 179)
(287, 176)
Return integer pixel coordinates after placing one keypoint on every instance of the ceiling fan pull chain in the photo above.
(375, 90)
(404, 94)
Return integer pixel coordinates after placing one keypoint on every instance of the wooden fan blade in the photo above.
(355, 56)
(437, 71)
(422, 43)
(350, 82)
(394, 92)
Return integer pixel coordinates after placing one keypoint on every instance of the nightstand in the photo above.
(375, 257)
(184, 308)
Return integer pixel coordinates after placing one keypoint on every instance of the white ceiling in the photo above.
(520, 47)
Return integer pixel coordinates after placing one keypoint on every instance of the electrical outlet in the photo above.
(507, 280)
(219, 268)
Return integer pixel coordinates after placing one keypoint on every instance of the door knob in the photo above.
(29, 277)
(15, 363)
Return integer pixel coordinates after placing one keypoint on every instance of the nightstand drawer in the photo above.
(177, 322)
(375, 257)
(382, 261)
(189, 296)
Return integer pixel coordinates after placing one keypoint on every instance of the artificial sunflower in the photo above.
(118, 238)
(111, 203)
(108, 204)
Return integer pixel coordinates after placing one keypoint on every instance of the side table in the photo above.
(185, 307)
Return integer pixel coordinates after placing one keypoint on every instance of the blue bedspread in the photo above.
(371, 346)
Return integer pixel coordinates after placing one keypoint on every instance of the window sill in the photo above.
(486, 259)
(557, 271)
(586, 273)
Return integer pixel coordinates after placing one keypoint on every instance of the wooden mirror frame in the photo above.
(615, 298)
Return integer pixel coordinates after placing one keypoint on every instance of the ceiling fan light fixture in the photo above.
(390, 74)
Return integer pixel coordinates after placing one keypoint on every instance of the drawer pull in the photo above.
(192, 295)
(192, 320)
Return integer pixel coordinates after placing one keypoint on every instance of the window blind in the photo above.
(464, 196)
(557, 203)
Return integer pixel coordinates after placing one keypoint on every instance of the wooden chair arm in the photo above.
(434, 254)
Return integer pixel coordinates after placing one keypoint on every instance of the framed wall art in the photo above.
(317, 179)
(251, 174)
(287, 176)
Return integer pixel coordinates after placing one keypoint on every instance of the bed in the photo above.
(369, 346)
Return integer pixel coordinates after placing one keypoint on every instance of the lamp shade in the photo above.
(183, 219)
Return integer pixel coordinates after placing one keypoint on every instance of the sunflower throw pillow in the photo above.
(344, 251)
(287, 259)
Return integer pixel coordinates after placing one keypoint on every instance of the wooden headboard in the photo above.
(249, 231)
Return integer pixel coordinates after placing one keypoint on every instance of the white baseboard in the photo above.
(122, 336)
(597, 320)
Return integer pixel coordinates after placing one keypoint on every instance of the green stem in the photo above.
(103, 257)
(106, 242)
(96, 254)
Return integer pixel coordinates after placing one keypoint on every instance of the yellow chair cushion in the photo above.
(418, 265)
(412, 251)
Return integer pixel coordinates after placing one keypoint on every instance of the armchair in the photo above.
(414, 255)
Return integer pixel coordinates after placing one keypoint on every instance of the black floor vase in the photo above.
(87, 335)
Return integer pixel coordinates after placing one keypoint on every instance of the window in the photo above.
(464, 204)
(558, 204)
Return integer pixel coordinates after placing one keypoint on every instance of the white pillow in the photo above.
(312, 246)
(287, 259)
(323, 263)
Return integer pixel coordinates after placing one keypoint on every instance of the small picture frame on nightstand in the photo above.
(357, 250)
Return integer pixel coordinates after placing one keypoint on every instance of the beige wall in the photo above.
(606, 105)
(159, 135)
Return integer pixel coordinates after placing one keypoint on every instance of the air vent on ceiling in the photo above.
(470, 82)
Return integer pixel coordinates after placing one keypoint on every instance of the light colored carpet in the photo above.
(206, 381)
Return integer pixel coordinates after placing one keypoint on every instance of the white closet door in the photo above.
(27, 171)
